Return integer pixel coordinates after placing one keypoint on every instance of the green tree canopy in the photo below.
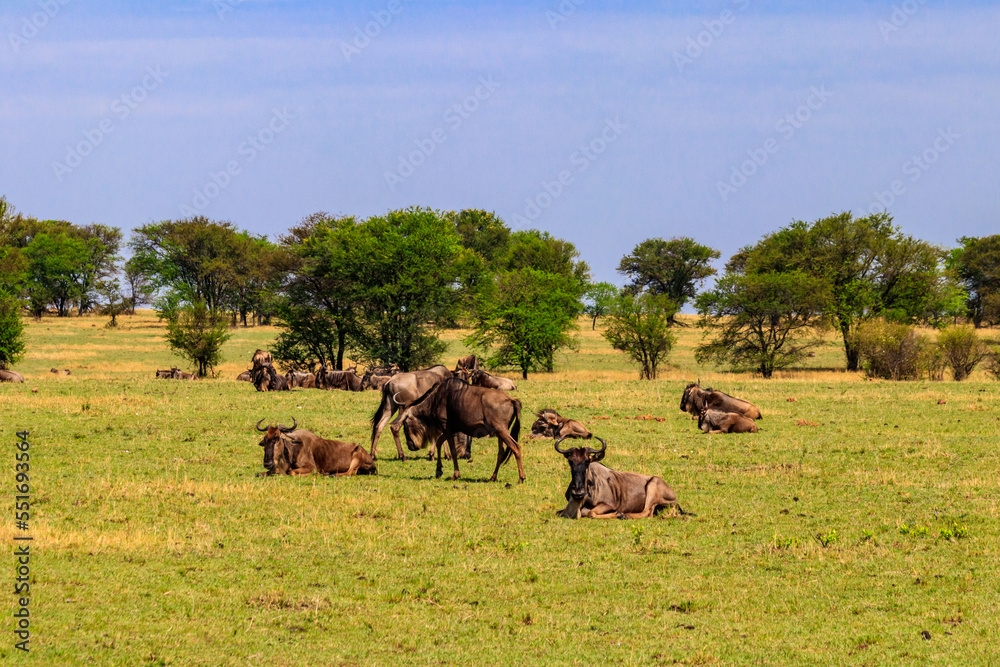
(639, 326)
(12, 343)
(599, 300)
(197, 333)
(977, 264)
(674, 268)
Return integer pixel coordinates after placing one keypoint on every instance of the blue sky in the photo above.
(602, 123)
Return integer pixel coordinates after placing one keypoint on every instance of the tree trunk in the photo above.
(524, 372)
(341, 344)
(850, 349)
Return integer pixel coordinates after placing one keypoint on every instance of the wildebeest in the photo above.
(716, 421)
(10, 376)
(266, 378)
(469, 363)
(245, 376)
(695, 398)
(348, 380)
(375, 382)
(599, 492)
(404, 388)
(262, 358)
(550, 424)
(453, 407)
(295, 451)
(65, 371)
(300, 379)
(481, 378)
(165, 375)
(175, 374)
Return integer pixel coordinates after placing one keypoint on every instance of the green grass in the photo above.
(836, 543)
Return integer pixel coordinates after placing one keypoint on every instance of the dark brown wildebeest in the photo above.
(481, 378)
(469, 363)
(166, 375)
(266, 378)
(695, 398)
(599, 492)
(716, 421)
(550, 424)
(300, 379)
(10, 376)
(65, 371)
(245, 376)
(453, 407)
(295, 451)
(375, 382)
(406, 387)
(262, 358)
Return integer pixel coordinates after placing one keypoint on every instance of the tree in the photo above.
(963, 350)
(483, 233)
(525, 317)
(977, 264)
(599, 300)
(763, 321)
(674, 268)
(197, 333)
(543, 252)
(869, 267)
(140, 286)
(55, 261)
(115, 303)
(100, 264)
(639, 326)
(12, 344)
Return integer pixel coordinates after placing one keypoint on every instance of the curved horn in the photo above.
(286, 429)
(396, 400)
(600, 451)
(262, 430)
(563, 452)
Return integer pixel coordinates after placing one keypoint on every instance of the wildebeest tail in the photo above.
(514, 429)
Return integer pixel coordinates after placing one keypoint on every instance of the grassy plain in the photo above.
(867, 535)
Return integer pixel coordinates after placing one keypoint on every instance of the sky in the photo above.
(604, 123)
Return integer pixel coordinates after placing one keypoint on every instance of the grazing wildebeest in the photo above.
(695, 398)
(300, 379)
(245, 376)
(469, 363)
(295, 451)
(550, 424)
(481, 378)
(453, 407)
(407, 387)
(716, 421)
(599, 492)
(10, 376)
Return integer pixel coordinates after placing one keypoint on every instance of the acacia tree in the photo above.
(674, 268)
(762, 321)
(525, 317)
(599, 300)
(197, 333)
(977, 263)
(639, 325)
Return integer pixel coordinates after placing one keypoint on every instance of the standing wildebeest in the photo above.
(599, 492)
(481, 378)
(407, 387)
(262, 358)
(716, 421)
(550, 424)
(294, 451)
(469, 363)
(695, 398)
(453, 407)
(10, 376)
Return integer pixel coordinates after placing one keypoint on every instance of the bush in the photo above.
(890, 351)
(11, 331)
(993, 365)
(197, 333)
(962, 349)
(639, 326)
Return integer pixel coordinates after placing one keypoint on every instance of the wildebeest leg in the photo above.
(355, 464)
(387, 408)
(516, 448)
(454, 456)
(440, 440)
(394, 427)
(602, 511)
(572, 509)
(304, 470)
(658, 494)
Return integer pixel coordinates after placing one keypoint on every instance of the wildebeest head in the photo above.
(274, 444)
(579, 459)
(690, 397)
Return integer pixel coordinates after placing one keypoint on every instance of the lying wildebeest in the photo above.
(266, 378)
(375, 382)
(165, 375)
(550, 424)
(300, 379)
(245, 376)
(695, 398)
(407, 387)
(348, 380)
(469, 363)
(262, 358)
(453, 407)
(599, 492)
(481, 378)
(295, 451)
(182, 375)
(716, 421)
(10, 376)
(65, 371)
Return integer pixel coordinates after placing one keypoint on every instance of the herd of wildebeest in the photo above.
(438, 405)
